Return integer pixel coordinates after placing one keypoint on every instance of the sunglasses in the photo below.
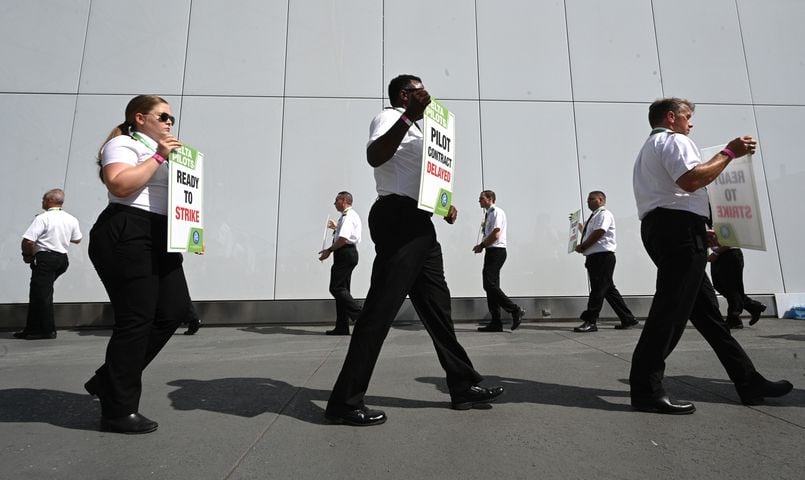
(165, 116)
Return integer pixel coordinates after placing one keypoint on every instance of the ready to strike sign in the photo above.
(438, 156)
(185, 217)
(734, 203)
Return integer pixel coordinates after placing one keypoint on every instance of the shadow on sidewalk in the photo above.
(61, 409)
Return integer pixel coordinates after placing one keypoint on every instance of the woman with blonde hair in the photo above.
(128, 248)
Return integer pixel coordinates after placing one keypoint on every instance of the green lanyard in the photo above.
(152, 145)
(661, 130)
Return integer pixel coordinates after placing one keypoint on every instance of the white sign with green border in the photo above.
(186, 200)
(438, 158)
(734, 204)
(573, 236)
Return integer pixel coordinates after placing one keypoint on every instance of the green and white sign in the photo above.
(438, 157)
(734, 203)
(185, 201)
(573, 236)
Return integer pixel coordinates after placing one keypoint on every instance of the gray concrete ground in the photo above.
(243, 403)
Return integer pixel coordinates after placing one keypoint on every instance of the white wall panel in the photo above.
(240, 138)
(775, 49)
(335, 48)
(462, 268)
(34, 161)
(529, 160)
(780, 128)
(700, 48)
(609, 138)
(613, 52)
(135, 48)
(236, 48)
(717, 125)
(435, 41)
(32, 59)
(530, 60)
(323, 152)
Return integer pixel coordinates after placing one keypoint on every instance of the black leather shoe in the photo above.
(759, 388)
(193, 326)
(40, 336)
(586, 327)
(627, 325)
(360, 417)
(132, 424)
(337, 331)
(517, 317)
(93, 386)
(734, 323)
(492, 327)
(22, 334)
(663, 405)
(755, 312)
(475, 395)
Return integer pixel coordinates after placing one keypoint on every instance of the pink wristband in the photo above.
(159, 158)
(406, 120)
(728, 153)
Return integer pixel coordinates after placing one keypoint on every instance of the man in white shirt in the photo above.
(408, 261)
(669, 187)
(44, 247)
(598, 246)
(494, 242)
(346, 234)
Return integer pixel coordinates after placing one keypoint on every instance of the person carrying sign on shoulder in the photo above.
(494, 242)
(346, 235)
(669, 180)
(128, 248)
(598, 247)
(408, 261)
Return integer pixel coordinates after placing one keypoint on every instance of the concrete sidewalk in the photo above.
(243, 403)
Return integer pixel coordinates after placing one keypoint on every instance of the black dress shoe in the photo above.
(475, 395)
(360, 417)
(22, 334)
(193, 326)
(517, 317)
(337, 331)
(93, 386)
(663, 405)
(734, 323)
(755, 313)
(492, 327)
(586, 327)
(627, 325)
(40, 336)
(759, 388)
(132, 424)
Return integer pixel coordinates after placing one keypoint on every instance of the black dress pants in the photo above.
(149, 296)
(345, 259)
(728, 271)
(600, 268)
(494, 258)
(676, 241)
(46, 267)
(408, 261)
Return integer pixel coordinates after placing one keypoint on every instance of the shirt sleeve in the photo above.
(76, 235)
(115, 151)
(36, 229)
(680, 156)
(382, 123)
(601, 221)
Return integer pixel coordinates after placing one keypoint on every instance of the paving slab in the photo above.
(248, 402)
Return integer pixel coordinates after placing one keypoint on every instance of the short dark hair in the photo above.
(598, 193)
(490, 195)
(346, 196)
(661, 107)
(398, 84)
